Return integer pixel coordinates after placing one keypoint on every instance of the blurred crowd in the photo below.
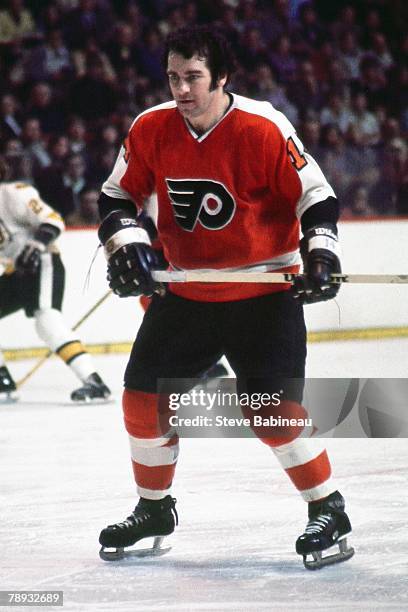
(75, 73)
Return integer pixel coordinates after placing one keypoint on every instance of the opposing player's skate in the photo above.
(93, 389)
(8, 387)
(150, 518)
(328, 526)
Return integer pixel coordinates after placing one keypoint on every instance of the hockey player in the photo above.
(234, 187)
(33, 279)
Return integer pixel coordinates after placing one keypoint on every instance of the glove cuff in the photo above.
(46, 233)
(119, 229)
(323, 237)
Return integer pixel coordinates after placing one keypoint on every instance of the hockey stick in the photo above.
(41, 361)
(194, 276)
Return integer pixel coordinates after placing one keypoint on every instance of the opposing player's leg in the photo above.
(43, 302)
(56, 334)
(176, 343)
(274, 361)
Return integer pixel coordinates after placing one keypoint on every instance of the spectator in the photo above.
(373, 81)
(276, 20)
(309, 32)
(59, 151)
(16, 23)
(346, 23)
(282, 59)
(62, 189)
(357, 203)
(398, 95)
(50, 60)
(131, 86)
(88, 20)
(34, 145)
(90, 53)
(391, 191)
(380, 51)
(150, 56)
(253, 49)
(335, 161)
(76, 132)
(350, 54)
(364, 120)
(363, 158)
(50, 18)
(122, 49)
(19, 163)
(43, 107)
(266, 88)
(336, 112)
(10, 118)
(92, 97)
(310, 134)
(87, 213)
(173, 21)
(228, 22)
(306, 91)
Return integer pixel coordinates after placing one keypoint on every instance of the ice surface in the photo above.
(65, 473)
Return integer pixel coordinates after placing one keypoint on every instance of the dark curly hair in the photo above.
(206, 42)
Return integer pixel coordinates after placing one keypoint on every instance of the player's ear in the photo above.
(222, 80)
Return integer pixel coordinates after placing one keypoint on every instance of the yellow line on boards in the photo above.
(373, 333)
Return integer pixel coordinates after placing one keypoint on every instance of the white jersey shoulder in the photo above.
(163, 106)
(265, 110)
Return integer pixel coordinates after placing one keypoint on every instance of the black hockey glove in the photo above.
(319, 250)
(130, 257)
(29, 260)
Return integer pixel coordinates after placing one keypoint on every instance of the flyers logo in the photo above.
(196, 200)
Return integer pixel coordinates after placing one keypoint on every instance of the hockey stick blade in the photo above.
(218, 276)
(318, 561)
(118, 554)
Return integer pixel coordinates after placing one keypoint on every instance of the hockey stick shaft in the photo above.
(269, 277)
(78, 324)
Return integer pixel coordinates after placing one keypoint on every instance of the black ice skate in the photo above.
(7, 387)
(150, 518)
(93, 389)
(328, 525)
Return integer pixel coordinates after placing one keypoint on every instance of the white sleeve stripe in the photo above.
(315, 187)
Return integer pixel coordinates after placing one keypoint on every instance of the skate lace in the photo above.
(318, 524)
(132, 521)
(138, 518)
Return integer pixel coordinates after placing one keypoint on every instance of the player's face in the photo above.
(190, 84)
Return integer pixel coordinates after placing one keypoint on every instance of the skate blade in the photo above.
(92, 402)
(116, 554)
(8, 398)
(318, 561)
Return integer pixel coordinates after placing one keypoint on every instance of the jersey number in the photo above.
(296, 157)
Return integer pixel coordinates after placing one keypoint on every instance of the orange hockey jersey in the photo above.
(229, 199)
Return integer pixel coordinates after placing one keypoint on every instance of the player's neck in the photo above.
(205, 122)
